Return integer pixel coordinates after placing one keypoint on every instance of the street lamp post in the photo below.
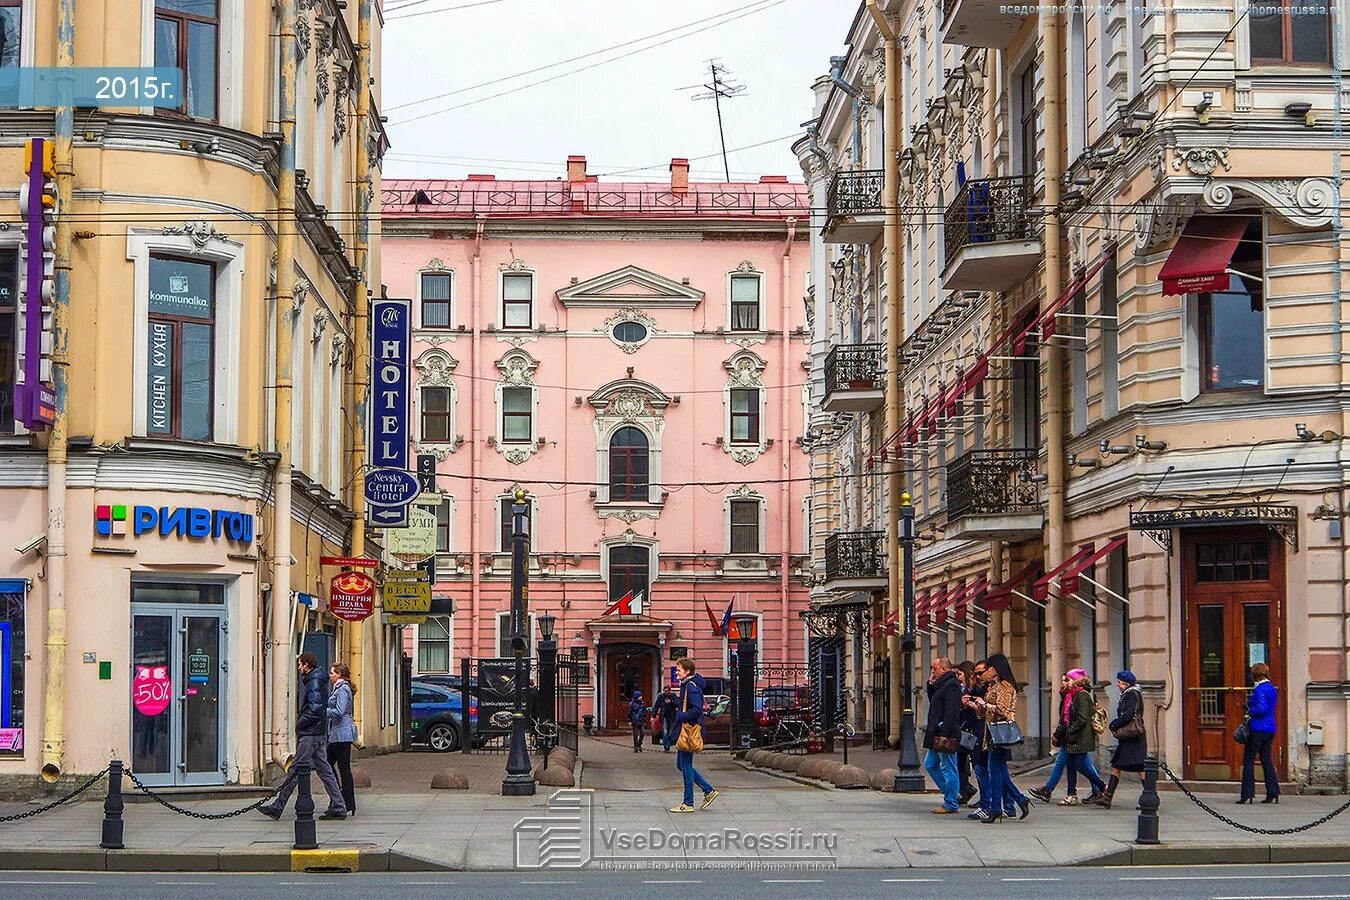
(745, 679)
(519, 782)
(908, 778)
(548, 683)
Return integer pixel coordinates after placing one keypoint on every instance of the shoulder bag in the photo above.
(969, 742)
(691, 735)
(1131, 729)
(1244, 731)
(1005, 734)
(1099, 718)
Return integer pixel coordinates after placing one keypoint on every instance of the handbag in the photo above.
(1099, 718)
(1243, 732)
(1005, 734)
(691, 735)
(969, 742)
(943, 744)
(1131, 729)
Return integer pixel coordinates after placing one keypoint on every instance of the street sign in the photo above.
(391, 487)
(391, 341)
(417, 540)
(387, 517)
(349, 562)
(352, 596)
(426, 471)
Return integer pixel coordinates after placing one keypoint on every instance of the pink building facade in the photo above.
(631, 354)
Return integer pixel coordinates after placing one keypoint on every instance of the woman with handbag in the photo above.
(966, 740)
(942, 737)
(1046, 793)
(690, 720)
(1261, 704)
(999, 710)
(1128, 729)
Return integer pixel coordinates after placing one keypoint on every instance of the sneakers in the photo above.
(271, 812)
(709, 797)
(1041, 794)
(682, 808)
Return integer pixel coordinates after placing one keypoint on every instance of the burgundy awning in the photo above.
(1001, 596)
(1202, 254)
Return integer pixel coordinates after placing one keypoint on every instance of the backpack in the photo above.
(1099, 719)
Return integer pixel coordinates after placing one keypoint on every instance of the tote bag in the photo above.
(691, 735)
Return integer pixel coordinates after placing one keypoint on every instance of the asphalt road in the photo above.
(1323, 882)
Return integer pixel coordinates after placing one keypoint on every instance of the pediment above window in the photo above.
(629, 399)
(631, 286)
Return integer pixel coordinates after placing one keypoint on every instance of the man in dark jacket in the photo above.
(664, 709)
(311, 741)
(637, 717)
(943, 735)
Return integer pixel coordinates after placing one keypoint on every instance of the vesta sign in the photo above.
(389, 411)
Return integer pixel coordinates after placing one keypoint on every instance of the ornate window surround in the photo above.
(517, 267)
(744, 492)
(745, 269)
(435, 267)
(622, 403)
(517, 369)
(631, 314)
(434, 368)
(745, 370)
(632, 539)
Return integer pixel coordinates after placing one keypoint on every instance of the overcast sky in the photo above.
(621, 115)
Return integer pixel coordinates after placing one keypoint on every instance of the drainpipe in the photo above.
(54, 708)
(895, 328)
(784, 457)
(476, 440)
(360, 338)
(1053, 372)
(854, 94)
(282, 608)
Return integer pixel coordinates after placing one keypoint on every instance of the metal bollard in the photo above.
(306, 835)
(112, 809)
(1147, 832)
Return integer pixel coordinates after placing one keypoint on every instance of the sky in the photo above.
(626, 114)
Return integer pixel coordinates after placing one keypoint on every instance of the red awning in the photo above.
(1040, 589)
(1202, 253)
(938, 604)
(1068, 579)
(1001, 596)
(970, 595)
(921, 606)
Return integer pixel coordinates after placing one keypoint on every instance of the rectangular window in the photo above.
(1238, 561)
(1078, 361)
(11, 33)
(1290, 32)
(9, 335)
(187, 38)
(744, 526)
(13, 649)
(745, 302)
(1110, 340)
(433, 645)
(437, 297)
(517, 415)
(504, 517)
(443, 525)
(438, 415)
(629, 570)
(745, 416)
(517, 301)
(180, 379)
(1026, 95)
(1232, 323)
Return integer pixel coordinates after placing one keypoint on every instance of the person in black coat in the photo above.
(969, 720)
(664, 709)
(1132, 749)
(942, 736)
(637, 717)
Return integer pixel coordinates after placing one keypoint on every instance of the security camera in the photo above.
(31, 545)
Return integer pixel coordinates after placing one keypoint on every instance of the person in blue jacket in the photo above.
(1261, 705)
(690, 712)
(637, 717)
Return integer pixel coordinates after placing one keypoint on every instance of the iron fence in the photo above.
(856, 193)
(856, 367)
(855, 554)
(991, 482)
(571, 682)
(987, 210)
(880, 709)
(782, 704)
(504, 198)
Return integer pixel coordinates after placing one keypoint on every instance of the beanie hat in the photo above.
(1077, 674)
(1126, 676)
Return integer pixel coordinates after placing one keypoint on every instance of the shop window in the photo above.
(12, 654)
(9, 311)
(433, 645)
(1290, 32)
(629, 466)
(179, 377)
(437, 299)
(1232, 323)
(629, 570)
(745, 302)
(745, 415)
(517, 300)
(187, 38)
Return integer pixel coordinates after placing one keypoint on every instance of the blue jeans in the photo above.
(1001, 785)
(684, 761)
(1061, 762)
(669, 733)
(987, 790)
(1082, 763)
(942, 769)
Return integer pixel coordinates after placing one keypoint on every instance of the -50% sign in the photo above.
(151, 690)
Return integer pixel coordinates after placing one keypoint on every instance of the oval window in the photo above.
(630, 332)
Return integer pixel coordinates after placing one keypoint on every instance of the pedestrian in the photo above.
(691, 713)
(999, 707)
(1128, 730)
(943, 734)
(1261, 705)
(311, 741)
(664, 710)
(979, 754)
(1080, 739)
(637, 717)
(342, 731)
(1046, 793)
(966, 672)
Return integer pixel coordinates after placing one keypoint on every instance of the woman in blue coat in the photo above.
(1261, 705)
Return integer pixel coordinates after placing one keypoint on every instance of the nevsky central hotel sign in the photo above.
(113, 520)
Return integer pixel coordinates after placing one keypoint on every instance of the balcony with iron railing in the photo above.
(854, 207)
(981, 23)
(855, 561)
(854, 378)
(994, 495)
(991, 239)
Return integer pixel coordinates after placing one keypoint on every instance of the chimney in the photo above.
(679, 176)
(576, 170)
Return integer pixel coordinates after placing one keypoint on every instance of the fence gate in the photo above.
(489, 686)
(782, 710)
(573, 678)
(881, 702)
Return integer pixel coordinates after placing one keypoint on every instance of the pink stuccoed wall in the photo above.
(568, 233)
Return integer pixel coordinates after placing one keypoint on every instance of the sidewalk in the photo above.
(405, 827)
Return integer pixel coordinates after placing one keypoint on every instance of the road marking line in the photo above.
(791, 881)
(910, 880)
(1286, 897)
(550, 882)
(1221, 877)
(672, 882)
(184, 883)
(1031, 879)
(48, 882)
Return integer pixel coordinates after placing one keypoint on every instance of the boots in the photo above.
(1105, 801)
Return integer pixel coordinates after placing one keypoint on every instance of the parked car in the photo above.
(437, 716)
(782, 702)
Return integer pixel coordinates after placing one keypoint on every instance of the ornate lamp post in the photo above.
(519, 782)
(548, 683)
(909, 778)
(745, 678)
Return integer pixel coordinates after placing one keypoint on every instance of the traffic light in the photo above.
(38, 207)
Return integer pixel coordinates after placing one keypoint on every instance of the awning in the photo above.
(970, 593)
(1040, 589)
(1068, 580)
(1001, 596)
(938, 604)
(1201, 255)
(921, 609)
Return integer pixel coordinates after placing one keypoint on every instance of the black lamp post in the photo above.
(548, 684)
(909, 777)
(745, 679)
(519, 782)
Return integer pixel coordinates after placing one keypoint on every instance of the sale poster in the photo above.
(151, 689)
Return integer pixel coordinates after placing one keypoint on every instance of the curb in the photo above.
(323, 860)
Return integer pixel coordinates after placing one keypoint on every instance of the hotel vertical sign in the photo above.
(391, 337)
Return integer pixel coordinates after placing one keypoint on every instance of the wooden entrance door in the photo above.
(1233, 618)
(627, 670)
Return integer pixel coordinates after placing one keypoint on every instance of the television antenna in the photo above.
(719, 88)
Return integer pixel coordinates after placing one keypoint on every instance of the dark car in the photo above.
(782, 702)
(437, 716)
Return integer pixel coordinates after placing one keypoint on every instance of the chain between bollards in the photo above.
(306, 833)
(1149, 803)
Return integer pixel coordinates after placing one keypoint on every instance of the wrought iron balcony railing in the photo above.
(855, 554)
(854, 367)
(992, 482)
(948, 6)
(989, 210)
(856, 193)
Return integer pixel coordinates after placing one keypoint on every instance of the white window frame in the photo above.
(502, 275)
(298, 385)
(505, 614)
(632, 540)
(449, 642)
(28, 34)
(746, 272)
(604, 435)
(422, 439)
(533, 503)
(417, 299)
(1077, 79)
(230, 63)
(228, 257)
(759, 637)
(744, 495)
(501, 415)
(318, 405)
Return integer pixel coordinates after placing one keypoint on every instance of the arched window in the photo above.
(628, 466)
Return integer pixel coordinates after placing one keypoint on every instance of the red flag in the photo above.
(712, 618)
(623, 606)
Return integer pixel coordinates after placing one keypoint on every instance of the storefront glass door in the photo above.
(177, 686)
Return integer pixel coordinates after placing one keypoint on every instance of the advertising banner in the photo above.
(352, 596)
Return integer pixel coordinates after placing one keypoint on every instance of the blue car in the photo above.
(437, 714)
